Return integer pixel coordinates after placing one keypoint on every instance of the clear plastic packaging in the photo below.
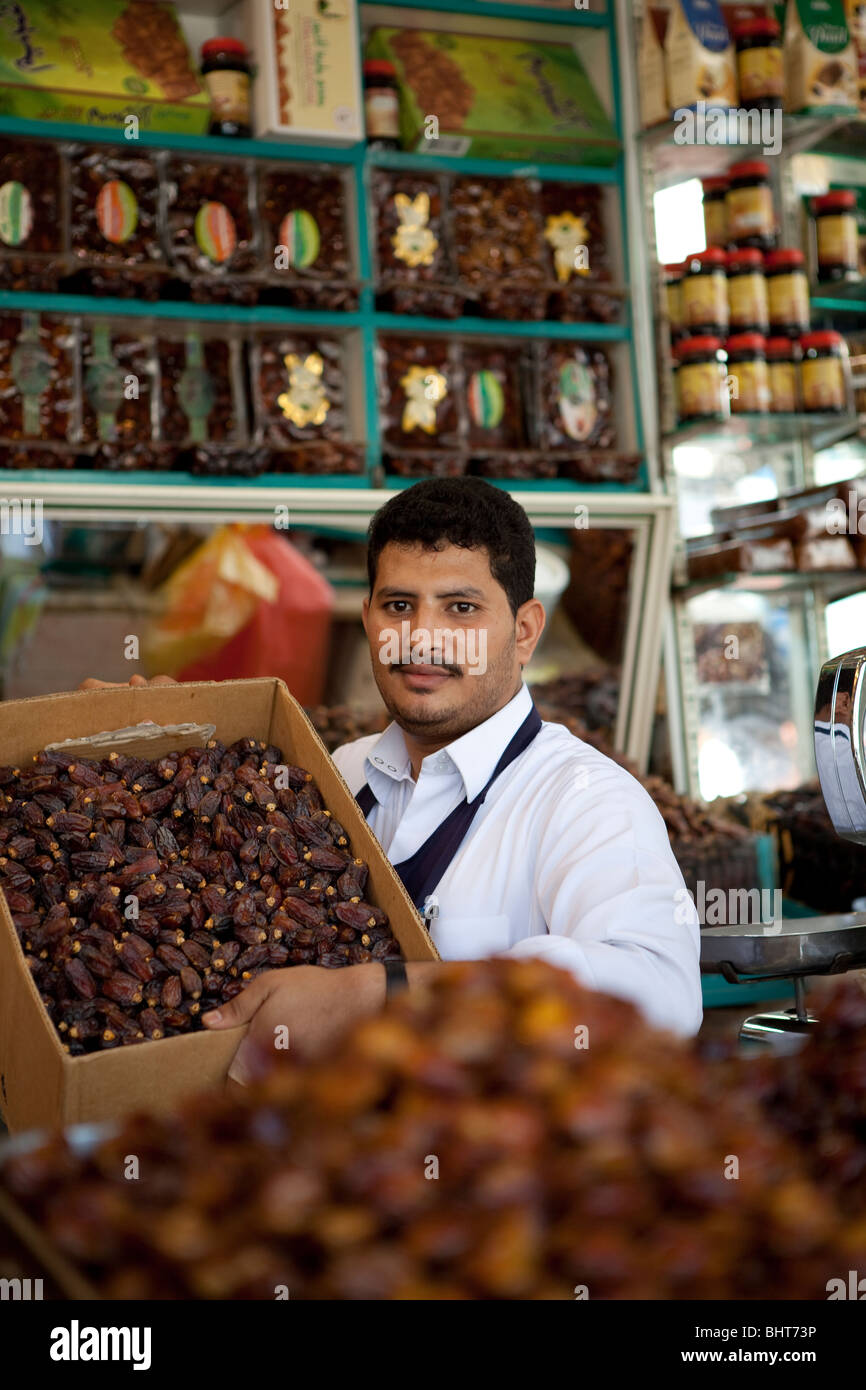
(210, 228)
(306, 248)
(32, 224)
(115, 222)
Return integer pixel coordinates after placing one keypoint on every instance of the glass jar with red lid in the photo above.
(747, 373)
(824, 372)
(836, 236)
(225, 68)
(700, 384)
(783, 369)
(760, 69)
(749, 205)
(704, 293)
(747, 291)
(787, 291)
(715, 192)
(381, 104)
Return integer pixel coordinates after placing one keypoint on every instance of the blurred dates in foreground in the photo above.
(505, 1134)
(146, 892)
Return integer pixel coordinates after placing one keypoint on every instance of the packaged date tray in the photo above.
(306, 242)
(300, 395)
(420, 384)
(115, 234)
(415, 268)
(40, 397)
(201, 386)
(33, 248)
(211, 236)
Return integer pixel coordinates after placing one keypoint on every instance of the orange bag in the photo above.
(246, 603)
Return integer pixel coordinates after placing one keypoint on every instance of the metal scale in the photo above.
(805, 946)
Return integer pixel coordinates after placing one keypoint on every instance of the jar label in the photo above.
(578, 410)
(761, 73)
(215, 232)
(674, 300)
(229, 93)
(705, 300)
(783, 386)
(699, 389)
(299, 234)
(837, 241)
(751, 386)
(716, 221)
(747, 300)
(750, 212)
(788, 297)
(382, 114)
(486, 399)
(823, 384)
(116, 211)
(16, 213)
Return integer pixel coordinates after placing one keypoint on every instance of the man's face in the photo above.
(445, 646)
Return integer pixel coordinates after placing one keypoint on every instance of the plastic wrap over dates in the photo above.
(146, 892)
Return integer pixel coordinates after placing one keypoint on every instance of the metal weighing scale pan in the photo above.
(803, 946)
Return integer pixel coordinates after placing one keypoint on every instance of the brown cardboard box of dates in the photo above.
(41, 1084)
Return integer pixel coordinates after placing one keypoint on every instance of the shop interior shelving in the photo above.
(791, 607)
(347, 502)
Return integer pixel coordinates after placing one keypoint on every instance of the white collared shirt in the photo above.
(568, 859)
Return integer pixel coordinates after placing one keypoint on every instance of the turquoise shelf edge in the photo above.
(465, 164)
(19, 300)
(354, 156)
(496, 9)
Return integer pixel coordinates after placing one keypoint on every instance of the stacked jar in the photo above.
(836, 237)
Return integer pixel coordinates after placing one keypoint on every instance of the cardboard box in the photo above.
(40, 1084)
(91, 62)
(495, 98)
(308, 78)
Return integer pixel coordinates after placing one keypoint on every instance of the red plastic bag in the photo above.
(287, 637)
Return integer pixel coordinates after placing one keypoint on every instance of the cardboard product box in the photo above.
(820, 59)
(495, 98)
(98, 62)
(700, 57)
(308, 78)
(652, 87)
(40, 1084)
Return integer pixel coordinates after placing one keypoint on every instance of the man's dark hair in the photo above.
(460, 511)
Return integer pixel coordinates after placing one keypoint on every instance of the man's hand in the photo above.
(93, 684)
(315, 1006)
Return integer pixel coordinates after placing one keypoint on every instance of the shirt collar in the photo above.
(474, 755)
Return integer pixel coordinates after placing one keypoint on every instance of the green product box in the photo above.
(97, 63)
(495, 98)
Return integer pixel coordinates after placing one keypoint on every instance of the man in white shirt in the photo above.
(566, 858)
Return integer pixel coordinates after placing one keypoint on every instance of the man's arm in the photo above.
(613, 897)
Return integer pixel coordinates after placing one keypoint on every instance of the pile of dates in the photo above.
(504, 1134)
(146, 892)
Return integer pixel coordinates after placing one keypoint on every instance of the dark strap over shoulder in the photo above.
(423, 870)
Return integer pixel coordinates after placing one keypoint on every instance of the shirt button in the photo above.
(391, 767)
(379, 761)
